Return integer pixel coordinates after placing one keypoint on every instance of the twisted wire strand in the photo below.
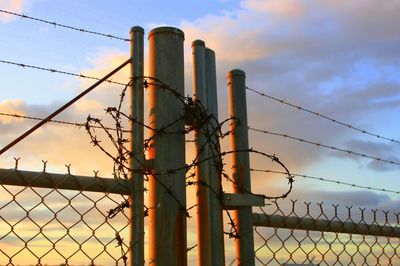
(324, 146)
(55, 24)
(52, 70)
(328, 180)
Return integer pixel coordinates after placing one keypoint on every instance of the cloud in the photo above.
(324, 56)
(288, 8)
(16, 6)
(12, 107)
(380, 150)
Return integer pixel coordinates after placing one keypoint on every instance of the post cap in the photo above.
(167, 30)
(198, 42)
(137, 29)
(235, 72)
(209, 50)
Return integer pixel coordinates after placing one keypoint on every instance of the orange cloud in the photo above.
(12, 6)
(16, 106)
(240, 35)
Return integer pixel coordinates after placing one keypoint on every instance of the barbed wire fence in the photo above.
(64, 214)
(195, 116)
(111, 207)
(288, 232)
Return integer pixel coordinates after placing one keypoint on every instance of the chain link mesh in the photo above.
(284, 246)
(52, 226)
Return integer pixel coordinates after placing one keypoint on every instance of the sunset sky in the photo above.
(338, 58)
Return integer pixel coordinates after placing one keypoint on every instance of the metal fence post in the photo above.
(167, 192)
(217, 228)
(241, 165)
(202, 169)
(136, 200)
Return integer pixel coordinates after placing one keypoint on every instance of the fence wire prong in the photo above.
(16, 162)
(44, 165)
(68, 168)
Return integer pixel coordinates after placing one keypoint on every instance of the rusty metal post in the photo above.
(216, 218)
(167, 189)
(202, 169)
(241, 165)
(136, 244)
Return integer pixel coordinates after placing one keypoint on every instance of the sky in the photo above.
(337, 58)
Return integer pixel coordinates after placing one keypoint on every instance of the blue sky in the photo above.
(338, 58)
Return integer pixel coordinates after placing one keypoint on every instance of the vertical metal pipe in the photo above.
(241, 165)
(136, 200)
(167, 189)
(202, 169)
(216, 218)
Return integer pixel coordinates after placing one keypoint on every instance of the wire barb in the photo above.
(68, 168)
(16, 162)
(44, 165)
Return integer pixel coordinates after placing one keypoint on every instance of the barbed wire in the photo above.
(328, 180)
(195, 117)
(65, 106)
(51, 70)
(324, 146)
(55, 24)
(323, 116)
(76, 124)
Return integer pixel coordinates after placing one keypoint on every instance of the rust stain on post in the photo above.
(241, 165)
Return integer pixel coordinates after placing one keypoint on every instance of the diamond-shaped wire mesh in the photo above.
(53, 226)
(285, 245)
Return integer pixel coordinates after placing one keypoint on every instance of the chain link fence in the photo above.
(293, 233)
(55, 226)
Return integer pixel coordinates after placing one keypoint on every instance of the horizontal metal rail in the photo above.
(335, 226)
(14, 177)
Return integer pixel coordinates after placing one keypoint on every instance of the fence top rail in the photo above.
(323, 225)
(68, 181)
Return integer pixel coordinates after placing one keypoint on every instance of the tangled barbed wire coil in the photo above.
(196, 118)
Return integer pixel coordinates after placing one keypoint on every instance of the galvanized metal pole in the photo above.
(323, 225)
(136, 200)
(216, 218)
(241, 165)
(167, 192)
(13, 177)
(202, 169)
